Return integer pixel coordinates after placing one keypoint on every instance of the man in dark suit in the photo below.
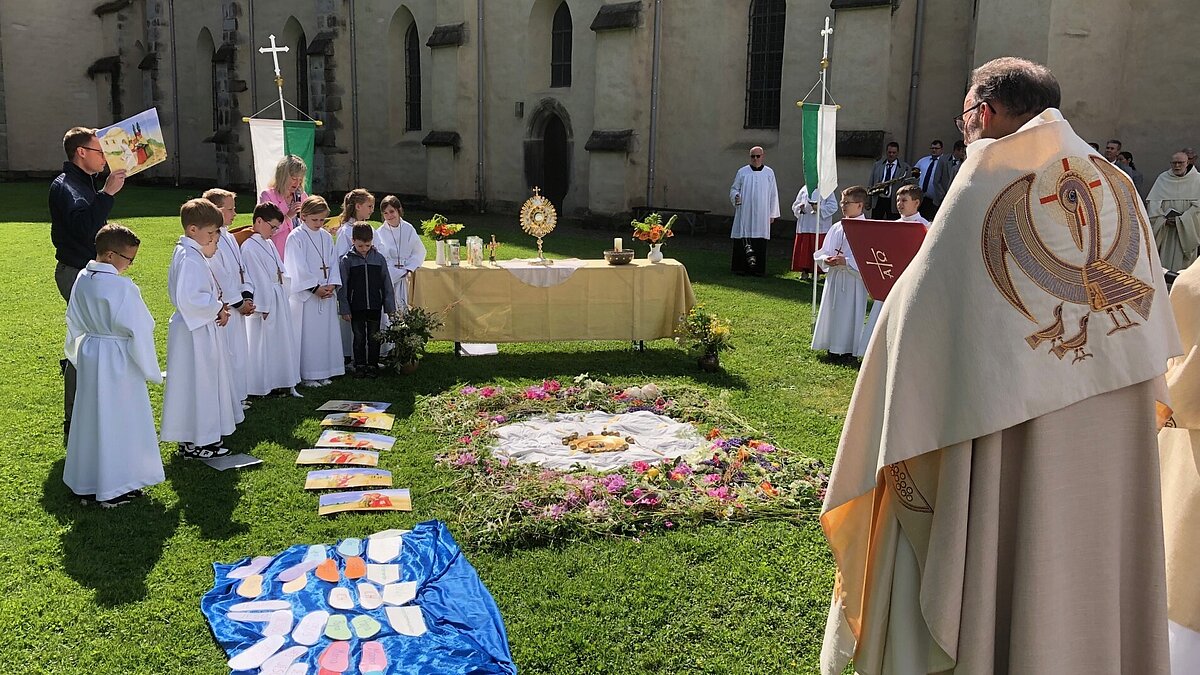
(934, 179)
(883, 206)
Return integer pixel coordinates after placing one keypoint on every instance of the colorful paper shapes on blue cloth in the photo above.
(452, 625)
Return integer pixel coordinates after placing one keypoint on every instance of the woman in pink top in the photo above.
(286, 191)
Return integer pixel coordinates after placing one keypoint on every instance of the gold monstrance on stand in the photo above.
(538, 219)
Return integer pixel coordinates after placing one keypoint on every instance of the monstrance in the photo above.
(538, 219)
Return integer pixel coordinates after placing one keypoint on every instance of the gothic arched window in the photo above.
(412, 79)
(764, 63)
(560, 47)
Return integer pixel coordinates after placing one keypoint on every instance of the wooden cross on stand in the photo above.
(274, 52)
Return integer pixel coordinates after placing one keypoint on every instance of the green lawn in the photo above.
(92, 591)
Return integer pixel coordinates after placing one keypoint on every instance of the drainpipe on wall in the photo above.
(174, 91)
(479, 193)
(655, 57)
(914, 83)
(253, 70)
(354, 94)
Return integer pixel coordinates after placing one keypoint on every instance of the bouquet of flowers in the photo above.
(703, 333)
(440, 229)
(652, 229)
(408, 334)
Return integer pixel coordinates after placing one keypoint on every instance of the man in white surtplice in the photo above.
(1174, 209)
(200, 404)
(112, 451)
(844, 299)
(755, 198)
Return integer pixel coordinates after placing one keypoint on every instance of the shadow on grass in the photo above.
(207, 497)
(110, 551)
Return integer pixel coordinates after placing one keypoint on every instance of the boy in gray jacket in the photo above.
(365, 293)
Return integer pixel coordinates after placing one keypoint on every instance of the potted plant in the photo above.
(652, 230)
(705, 336)
(439, 228)
(408, 333)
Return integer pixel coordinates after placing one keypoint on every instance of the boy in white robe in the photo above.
(112, 451)
(270, 331)
(311, 267)
(200, 405)
(908, 203)
(844, 299)
(401, 246)
(235, 287)
(357, 205)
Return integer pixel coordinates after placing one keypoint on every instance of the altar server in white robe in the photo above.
(908, 204)
(113, 448)
(400, 244)
(812, 213)
(1174, 209)
(844, 299)
(357, 205)
(312, 272)
(199, 402)
(235, 286)
(755, 198)
(270, 331)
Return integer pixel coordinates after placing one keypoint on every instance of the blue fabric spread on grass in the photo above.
(465, 631)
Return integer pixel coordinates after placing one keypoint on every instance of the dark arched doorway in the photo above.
(548, 151)
(556, 158)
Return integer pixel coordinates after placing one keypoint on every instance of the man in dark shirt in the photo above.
(77, 212)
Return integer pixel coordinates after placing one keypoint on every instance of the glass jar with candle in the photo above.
(454, 251)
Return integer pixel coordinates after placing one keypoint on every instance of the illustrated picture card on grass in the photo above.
(345, 439)
(360, 420)
(354, 406)
(347, 478)
(366, 500)
(134, 144)
(336, 456)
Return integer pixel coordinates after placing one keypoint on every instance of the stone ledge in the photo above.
(620, 140)
(451, 35)
(442, 139)
(618, 16)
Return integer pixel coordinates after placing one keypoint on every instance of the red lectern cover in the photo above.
(883, 250)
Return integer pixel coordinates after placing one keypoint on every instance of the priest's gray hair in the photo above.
(1023, 87)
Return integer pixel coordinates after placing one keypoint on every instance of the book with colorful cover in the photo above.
(365, 500)
(345, 439)
(354, 457)
(347, 478)
(354, 406)
(134, 144)
(360, 420)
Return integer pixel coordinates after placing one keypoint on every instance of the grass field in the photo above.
(92, 591)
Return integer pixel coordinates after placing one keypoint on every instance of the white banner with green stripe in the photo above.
(272, 140)
(820, 147)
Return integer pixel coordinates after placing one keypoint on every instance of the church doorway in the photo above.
(548, 152)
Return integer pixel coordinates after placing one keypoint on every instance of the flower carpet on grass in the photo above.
(735, 475)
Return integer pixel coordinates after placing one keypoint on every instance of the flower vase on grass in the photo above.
(653, 231)
(440, 229)
(705, 336)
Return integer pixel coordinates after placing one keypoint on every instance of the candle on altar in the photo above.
(617, 244)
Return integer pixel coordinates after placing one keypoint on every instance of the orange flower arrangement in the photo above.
(652, 228)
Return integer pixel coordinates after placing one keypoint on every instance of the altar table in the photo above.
(514, 301)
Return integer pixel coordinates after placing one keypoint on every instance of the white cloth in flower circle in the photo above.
(539, 441)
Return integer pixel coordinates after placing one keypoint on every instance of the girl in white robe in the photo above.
(200, 405)
(311, 268)
(236, 288)
(270, 331)
(357, 205)
(400, 244)
(844, 298)
(112, 450)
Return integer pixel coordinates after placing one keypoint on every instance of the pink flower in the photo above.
(464, 440)
(597, 506)
(468, 390)
(488, 392)
(680, 472)
(711, 478)
(465, 459)
(499, 419)
(614, 483)
(536, 393)
(556, 511)
(551, 385)
(640, 466)
(668, 524)
(504, 462)
(718, 493)
(526, 504)
(637, 493)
